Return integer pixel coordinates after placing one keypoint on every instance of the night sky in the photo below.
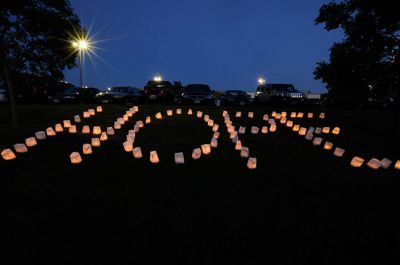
(224, 43)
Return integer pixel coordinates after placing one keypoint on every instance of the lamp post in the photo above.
(81, 46)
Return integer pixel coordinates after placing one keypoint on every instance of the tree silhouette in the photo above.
(34, 40)
(365, 65)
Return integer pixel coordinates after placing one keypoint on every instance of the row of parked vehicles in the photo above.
(159, 91)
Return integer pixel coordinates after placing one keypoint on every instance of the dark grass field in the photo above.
(301, 205)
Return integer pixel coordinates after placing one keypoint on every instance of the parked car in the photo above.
(279, 94)
(236, 98)
(119, 94)
(197, 94)
(3, 96)
(77, 94)
(160, 91)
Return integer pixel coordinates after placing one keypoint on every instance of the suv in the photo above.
(119, 94)
(197, 94)
(236, 98)
(278, 93)
(160, 90)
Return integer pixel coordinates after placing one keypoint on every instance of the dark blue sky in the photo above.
(224, 43)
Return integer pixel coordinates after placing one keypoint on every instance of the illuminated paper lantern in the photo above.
(128, 146)
(283, 114)
(322, 115)
(129, 113)
(140, 124)
(214, 143)
(293, 115)
(179, 111)
(325, 130)
(238, 145)
(206, 149)
(374, 163)
(85, 129)
(117, 125)
(99, 109)
(95, 142)
(40, 135)
(72, 129)
(30, 142)
(132, 132)
(300, 115)
(66, 123)
(199, 114)
(103, 136)
(20, 148)
(310, 130)
(317, 141)
(328, 145)
(87, 149)
(86, 114)
(216, 135)
(169, 112)
(278, 116)
(264, 129)
(59, 127)
(96, 130)
(310, 115)
(210, 123)
(125, 117)
(136, 108)
(289, 124)
(121, 121)
(336, 130)
(254, 130)
(8, 154)
(190, 112)
(158, 116)
(302, 131)
(224, 113)
(92, 112)
(137, 152)
(252, 163)
(242, 130)
(148, 120)
(50, 131)
(179, 158)
(110, 131)
(338, 152)
(75, 158)
(130, 138)
(244, 152)
(283, 120)
(231, 129)
(206, 118)
(215, 127)
(397, 165)
(235, 139)
(385, 163)
(356, 161)
(250, 115)
(309, 136)
(154, 157)
(265, 117)
(273, 114)
(272, 128)
(77, 119)
(296, 128)
(196, 154)
(318, 130)
(238, 114)
(233, 134)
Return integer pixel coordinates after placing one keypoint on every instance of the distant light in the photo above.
(261, 81)
(81, 44)
(157, 78)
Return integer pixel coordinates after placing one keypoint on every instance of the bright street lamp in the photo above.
(157, 78)
(81, 46)
(261, 81)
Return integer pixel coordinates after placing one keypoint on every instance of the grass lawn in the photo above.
(301, 204)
